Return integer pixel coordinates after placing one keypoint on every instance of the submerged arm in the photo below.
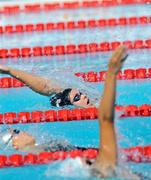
(107, 156)
(36, 83)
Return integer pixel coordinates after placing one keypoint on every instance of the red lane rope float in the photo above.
(81, 24)
(136, 154)
(8, 82)
(72, 48)
(127, 74)
(65, 115)
(37, 7)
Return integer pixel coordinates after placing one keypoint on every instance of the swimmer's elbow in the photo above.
(106, 117)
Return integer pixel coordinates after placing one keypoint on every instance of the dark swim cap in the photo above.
(61, 99)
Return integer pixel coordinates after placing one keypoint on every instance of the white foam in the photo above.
(75, 168)
(68, 168)
(126, 173)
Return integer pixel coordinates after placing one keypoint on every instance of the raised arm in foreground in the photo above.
(36, 83)
(107, 157)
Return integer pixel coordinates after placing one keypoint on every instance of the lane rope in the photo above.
(81, 24)
(37, 7)
(73, 48)
(127, 74)
(65, 115)
(91, 76)
(135, 154)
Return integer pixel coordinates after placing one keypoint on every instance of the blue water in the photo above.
(31, 101)
(74, 36)
(131, 131)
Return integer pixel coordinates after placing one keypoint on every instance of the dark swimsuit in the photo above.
(55, 145)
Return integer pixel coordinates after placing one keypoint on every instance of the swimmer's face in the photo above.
(79, 99)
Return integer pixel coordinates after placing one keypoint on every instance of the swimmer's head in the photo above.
(70, 97)
(61, 99)
(80, 99)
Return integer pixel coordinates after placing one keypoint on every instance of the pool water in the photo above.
(131, 131)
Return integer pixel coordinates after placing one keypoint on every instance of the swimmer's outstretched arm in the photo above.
(107, 156)
(36, 83)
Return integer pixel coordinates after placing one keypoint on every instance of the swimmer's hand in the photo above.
(4, 69)
(117, 59)
(22, 140)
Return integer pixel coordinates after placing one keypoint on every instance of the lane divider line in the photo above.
(65, 115)
(37, 7)
(91, 76)
(136, 154)
(71, 25)
(73, 48)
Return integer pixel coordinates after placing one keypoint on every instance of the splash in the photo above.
(75, 169)
(123, 172)
(70, 168)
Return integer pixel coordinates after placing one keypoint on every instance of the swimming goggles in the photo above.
(77, 97)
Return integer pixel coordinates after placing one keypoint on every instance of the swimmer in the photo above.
(59, 97)
(106, 163)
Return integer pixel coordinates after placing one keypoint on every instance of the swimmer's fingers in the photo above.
(117, 59)
(119, 54)
(123, 59)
